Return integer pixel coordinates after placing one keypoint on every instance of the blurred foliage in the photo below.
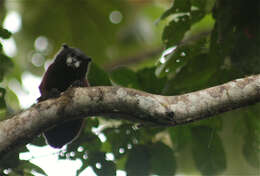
(207, 151)
(5, 64)
(206, 43)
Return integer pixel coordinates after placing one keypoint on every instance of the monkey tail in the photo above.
(63, 134)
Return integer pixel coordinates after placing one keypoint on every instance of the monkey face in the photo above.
(73, 58)
(73, 62)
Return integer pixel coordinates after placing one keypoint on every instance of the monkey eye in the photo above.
(89, 59)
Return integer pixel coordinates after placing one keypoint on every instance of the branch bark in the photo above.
(127, 104)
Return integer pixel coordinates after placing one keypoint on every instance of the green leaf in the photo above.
(120, 138)
(180, 57)
(28, 167)
(91, 122)
(2, 99)
(251, 144)
(207, 150)
(120, 163)
(214, 123)
(89, 141)
(1, 47)
(39, 141)
(97, 76)
(138, 161)
(83, 167)
(178, 6)
(12, 99)
(108, 168)
(180, 137)
(125, 77)
(149, 82)
(175, 30)
(10, 160)
(174, 61)
(162, 159)
(200, 4)
(100, 165)
(251, 150)
(193, 76)
(4, 33)
(6, 64)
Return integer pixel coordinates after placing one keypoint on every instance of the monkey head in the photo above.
(70, 65)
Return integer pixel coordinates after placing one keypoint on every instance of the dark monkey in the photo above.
(68, 69)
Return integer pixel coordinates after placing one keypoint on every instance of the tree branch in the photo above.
(127, 104)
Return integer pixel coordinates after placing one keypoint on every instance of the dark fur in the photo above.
(59, 77)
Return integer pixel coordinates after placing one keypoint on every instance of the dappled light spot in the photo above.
(115, 17)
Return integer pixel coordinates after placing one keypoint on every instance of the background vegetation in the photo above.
(157, 46)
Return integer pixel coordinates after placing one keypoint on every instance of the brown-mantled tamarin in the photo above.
(68, 69)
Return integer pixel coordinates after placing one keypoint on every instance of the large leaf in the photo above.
(175, 60)
(178, 6)
(251, 144)
(30, 168)
(194, 76)
(149, 82)
(180, 56)
(100, 165)
(183, 17)
(10, 160)
(162, 159)
(89, 142)
(138, 161)
(251, 150)
(173, 33)
(180, 137)
(125, 77)
(121, 139)
(97, 76)
(207, 150)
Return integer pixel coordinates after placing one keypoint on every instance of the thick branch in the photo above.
(127, 104)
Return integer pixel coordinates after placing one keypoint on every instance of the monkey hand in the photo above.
(78, 83)
(53, 93)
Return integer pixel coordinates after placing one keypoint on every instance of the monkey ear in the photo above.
(89, 59)
(65, 45)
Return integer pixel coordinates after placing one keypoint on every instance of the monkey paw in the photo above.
(54, 93)
(78, 83)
